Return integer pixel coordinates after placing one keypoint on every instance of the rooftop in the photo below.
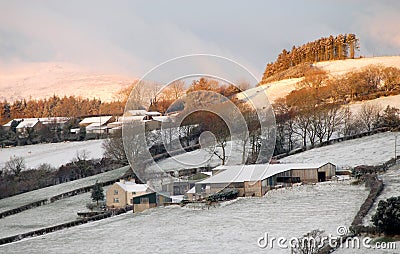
(96, 119)
(133, 187)
(255, 172)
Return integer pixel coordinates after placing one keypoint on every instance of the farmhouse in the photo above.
(257, 179)
(139, 196)
(121, 193)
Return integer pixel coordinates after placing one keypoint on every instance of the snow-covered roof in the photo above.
(50, 120)
(245, 173)
(153, 113)
(133, 187)
(43, 120)
(132, 118)
(27, 123)
(161, 118)
(10, 122)
(136, 112)
(96, 119)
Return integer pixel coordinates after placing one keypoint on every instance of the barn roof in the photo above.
(255, 172)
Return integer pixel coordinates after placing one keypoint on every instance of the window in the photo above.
(115, 192)
(144, 200)
(116, 200)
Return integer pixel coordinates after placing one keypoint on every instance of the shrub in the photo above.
(387, 216)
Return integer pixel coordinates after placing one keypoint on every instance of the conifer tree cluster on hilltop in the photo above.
(323, 49)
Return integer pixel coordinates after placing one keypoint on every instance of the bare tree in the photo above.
(114, 148)
(15, 165)
(369, 115)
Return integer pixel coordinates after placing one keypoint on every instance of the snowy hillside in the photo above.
(32, 196)
(233, 228)
(55, 154)
(46, 79)
(370, 150)
(279, 89)
(340, 67)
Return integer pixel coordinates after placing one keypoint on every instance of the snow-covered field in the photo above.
(391, 180)
(279, 89)
(383, 102)
(202, 158)
(28, 197)
(273, 90)
(340, 67)
(370, 150)
(233, 228)
(61, 211)
(55, 154)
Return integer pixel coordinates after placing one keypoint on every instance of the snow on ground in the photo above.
(61, 211)
(383, 102)
(340, 67)
(55, 154)
(202, 158)
(391, 180)
(31, 196)
(273, 90)
(280, 89)
(370, 150)
(44, 79)
(234, 228)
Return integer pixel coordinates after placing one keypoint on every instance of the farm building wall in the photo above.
(252, 188)
(329, 169)
(306, 175)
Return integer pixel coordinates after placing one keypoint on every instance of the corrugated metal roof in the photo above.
(245, 173)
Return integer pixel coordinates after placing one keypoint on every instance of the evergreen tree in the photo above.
(387, 216)
(97, 192)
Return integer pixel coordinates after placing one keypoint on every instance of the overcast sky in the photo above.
(130, 37)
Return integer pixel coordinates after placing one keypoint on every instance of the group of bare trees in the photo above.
(323, 49)
(303, 125)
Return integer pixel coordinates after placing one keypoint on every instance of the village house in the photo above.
(257, 179)
(121, 193)
(24, 125)
(96, 124)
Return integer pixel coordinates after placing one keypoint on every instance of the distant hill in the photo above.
(42, 80)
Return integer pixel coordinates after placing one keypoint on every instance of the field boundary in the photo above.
(54, 198)
(65, 225)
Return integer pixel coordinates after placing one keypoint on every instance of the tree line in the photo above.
(58, 106)
(323, 49)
